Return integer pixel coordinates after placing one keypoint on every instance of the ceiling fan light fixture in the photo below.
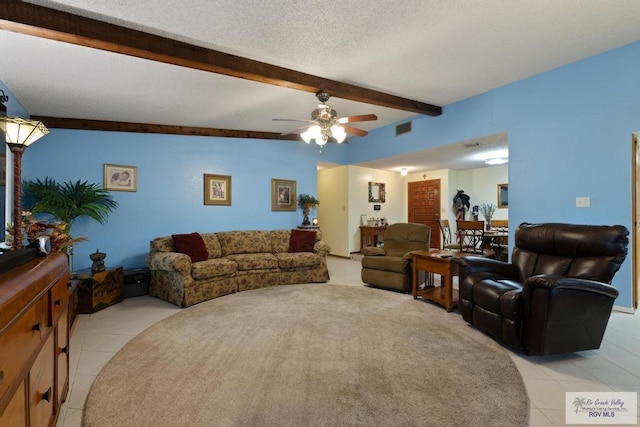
(338, 133)
(314, 132)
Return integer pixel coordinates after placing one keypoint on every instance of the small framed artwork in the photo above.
(217, 189)
(503, 195)
(283, 195)
(120, 177)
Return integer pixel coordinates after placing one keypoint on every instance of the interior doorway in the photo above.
(635, 206)
(424, 206)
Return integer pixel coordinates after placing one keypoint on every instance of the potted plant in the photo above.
(307, 202)
(66, 202)
(487, 210)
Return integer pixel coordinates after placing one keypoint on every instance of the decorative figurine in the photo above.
(98, 261)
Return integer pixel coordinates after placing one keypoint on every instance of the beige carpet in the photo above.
(310, 355)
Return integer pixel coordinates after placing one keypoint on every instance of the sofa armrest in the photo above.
(476, 264)
(321, 248)
(169, 261)
(372, 251)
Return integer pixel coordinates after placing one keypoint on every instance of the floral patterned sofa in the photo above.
(233, 261)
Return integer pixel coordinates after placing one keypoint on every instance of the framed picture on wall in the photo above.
(120, 177)
(217, 189)
(503, 195)
(283, 195)
(376, 192)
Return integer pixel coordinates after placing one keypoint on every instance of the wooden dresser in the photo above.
(34, 341)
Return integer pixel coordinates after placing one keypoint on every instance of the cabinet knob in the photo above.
(58, 302)
(37, 327)
(65, 349)
(47, 395)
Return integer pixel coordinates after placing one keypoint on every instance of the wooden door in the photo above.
(424, 206)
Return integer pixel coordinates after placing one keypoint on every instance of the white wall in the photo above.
(482, 187)
(333, 218)
(343, 192)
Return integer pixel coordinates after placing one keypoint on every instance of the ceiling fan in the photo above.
(325, 125)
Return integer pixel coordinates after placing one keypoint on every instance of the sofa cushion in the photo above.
(258, 261)
(212, 268)
(244, 242)
(279, 240)
(302, 240)
(298, 259)
(213, 245)
(192, 245)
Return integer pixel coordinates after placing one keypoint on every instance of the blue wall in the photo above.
(169, 196)
(569, 136)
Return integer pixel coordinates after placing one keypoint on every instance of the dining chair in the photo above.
(500, 243)
(471, 235)
(445, 230)
(501, 225)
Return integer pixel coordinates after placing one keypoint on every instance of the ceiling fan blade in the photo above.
(355, 131)
(362, 118)
(292, 120)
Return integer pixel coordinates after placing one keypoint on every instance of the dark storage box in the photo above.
(136, 282)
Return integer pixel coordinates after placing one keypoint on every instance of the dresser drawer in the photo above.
(41, 383)
(59, 297)
(19, 341)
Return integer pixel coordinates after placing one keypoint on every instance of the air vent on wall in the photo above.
(403, 128)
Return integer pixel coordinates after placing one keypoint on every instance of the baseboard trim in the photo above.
(628, 310)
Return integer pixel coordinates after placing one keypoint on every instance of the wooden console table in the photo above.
(438, 262)
(369, 235)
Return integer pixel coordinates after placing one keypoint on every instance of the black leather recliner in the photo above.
(555, 295)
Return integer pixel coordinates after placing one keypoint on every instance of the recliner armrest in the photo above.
(569, 283)
(372, 251)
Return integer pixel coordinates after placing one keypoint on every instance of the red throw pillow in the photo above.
(192, 245)
(302, 240)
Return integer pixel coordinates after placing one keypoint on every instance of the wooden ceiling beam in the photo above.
(39, 21)
(111, 126)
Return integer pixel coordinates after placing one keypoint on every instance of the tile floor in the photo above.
(614, 367)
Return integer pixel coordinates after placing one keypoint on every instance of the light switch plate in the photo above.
(583, 202)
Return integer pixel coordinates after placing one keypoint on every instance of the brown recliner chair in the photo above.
(554, 297)
(389, 267)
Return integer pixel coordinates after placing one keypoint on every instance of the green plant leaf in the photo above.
(68, 201)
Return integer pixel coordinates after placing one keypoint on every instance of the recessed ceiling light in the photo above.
(496, 161)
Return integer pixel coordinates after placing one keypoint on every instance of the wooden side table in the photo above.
(370, 235)
(438, 262)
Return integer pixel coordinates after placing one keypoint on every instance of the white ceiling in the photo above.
(433, 51)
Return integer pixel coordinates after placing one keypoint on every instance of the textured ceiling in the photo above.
(433, 51)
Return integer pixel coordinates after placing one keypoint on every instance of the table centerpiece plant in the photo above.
(487, 210)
